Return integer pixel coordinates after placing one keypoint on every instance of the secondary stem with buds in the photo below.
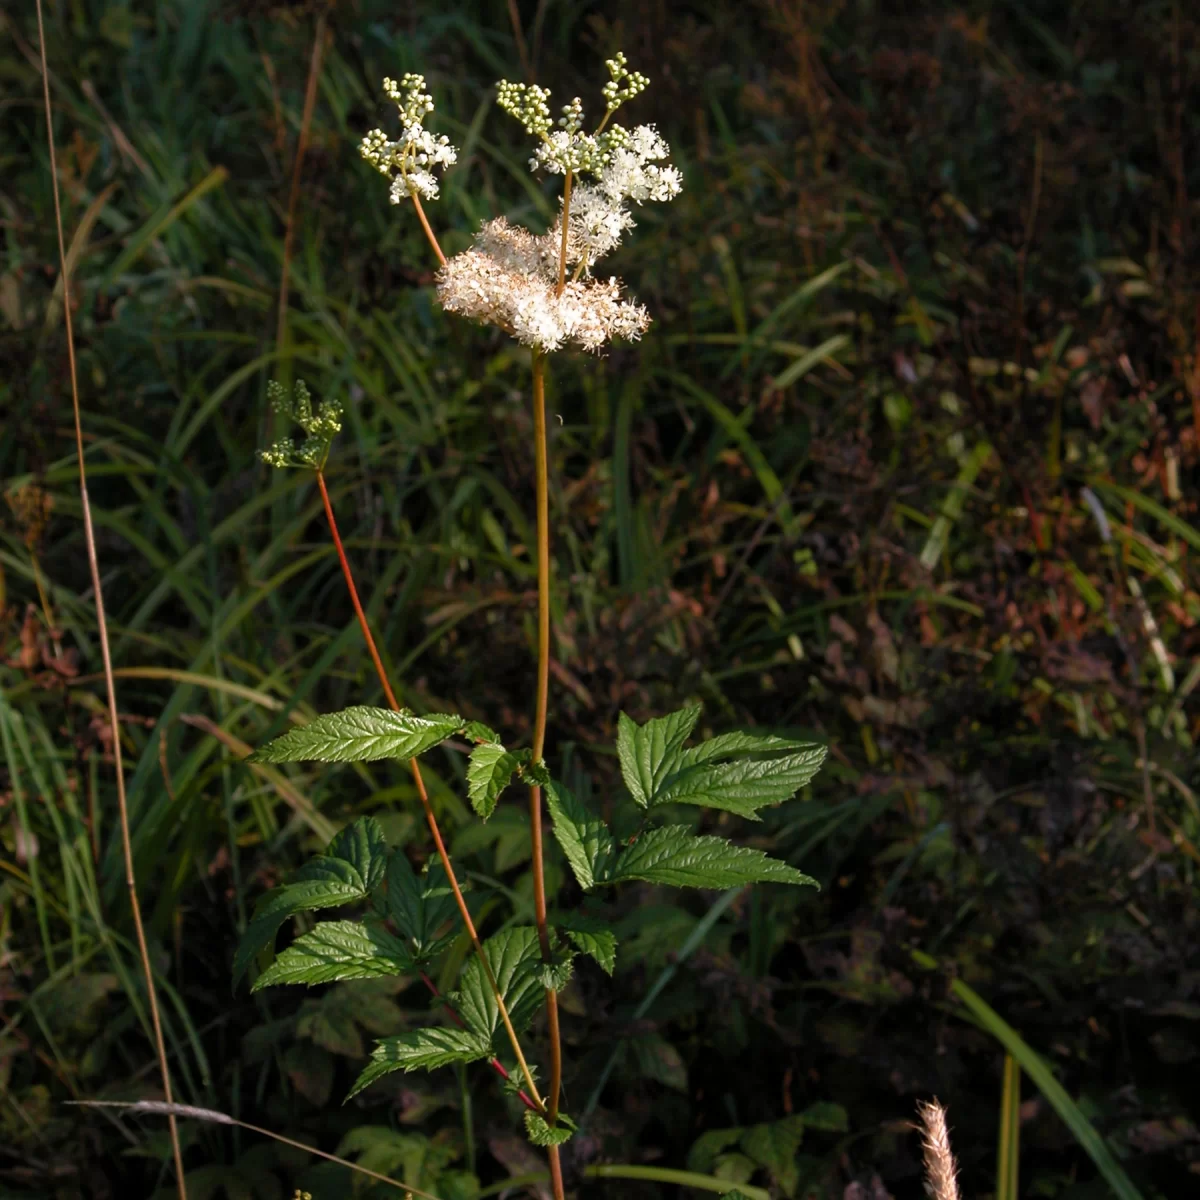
(542, 473)
(430, 819)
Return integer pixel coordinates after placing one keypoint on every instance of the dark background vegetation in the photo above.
(930, 261)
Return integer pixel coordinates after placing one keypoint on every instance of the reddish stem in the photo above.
(455, 1019)
(415, 767)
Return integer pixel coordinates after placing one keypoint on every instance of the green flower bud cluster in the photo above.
(410, 95)
(528, 104)
(566, 147)
(320, 427)
(624, 84)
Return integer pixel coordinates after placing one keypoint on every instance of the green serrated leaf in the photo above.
(649, 753)
(477, 731)
(360, 734)
(557, 974)
(674, 856)
(583, 836)
(540, 1133)
(514, 1084)
(593, 938)
(281, 903)
(726, 745)
(421, 1048)
(708, 1146)
(353, 864)
(489, 771)
(515, 959)
(535, 772)
(742, 787)
(337, 950)
(419, 905)
(363, 846)
(774, 1146)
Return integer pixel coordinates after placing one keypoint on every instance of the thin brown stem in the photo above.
(310, 102)
(418, 779)
(437, 249)
(562, 252)
(542, 486)
(102, 629)
(542, 476)
(514, 17)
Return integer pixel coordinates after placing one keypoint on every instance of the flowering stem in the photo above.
(428, 229)
(430, 819)
(542, 473)
(562, 253)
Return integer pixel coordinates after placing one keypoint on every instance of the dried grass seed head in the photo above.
(941, 1171)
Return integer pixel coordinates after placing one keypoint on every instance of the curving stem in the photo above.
(430, 818)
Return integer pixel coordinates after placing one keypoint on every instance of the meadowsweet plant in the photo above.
(541, 289)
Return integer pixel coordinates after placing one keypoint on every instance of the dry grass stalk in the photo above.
(941, 1171)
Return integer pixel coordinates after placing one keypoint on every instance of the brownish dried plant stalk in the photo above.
(941, 1171)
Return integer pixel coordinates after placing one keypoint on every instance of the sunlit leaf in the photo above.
(360, 734)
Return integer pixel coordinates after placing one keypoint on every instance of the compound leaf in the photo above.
(648, 753)
(361, 734)
(427, 1048)
(337, 950)
(516, 961)
(658, 770)
(361, 845)
(351, 867)
(418, 905)
(489, 771)
(745, 786)
(583, 836)
(673, 856)
(540, 1133)
(593, 938)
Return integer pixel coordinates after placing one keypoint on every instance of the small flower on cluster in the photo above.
(508, 278)
(632, 172)
(320, 427)
(409, 160)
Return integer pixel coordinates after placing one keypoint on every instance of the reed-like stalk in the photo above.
(89, 535)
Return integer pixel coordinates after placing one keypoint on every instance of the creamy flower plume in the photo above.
(508, 278)
(518, 280)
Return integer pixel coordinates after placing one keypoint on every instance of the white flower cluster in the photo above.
(508, 278)
(626, 165)
(409, 160)
(598, 215)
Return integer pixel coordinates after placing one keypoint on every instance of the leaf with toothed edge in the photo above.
(673, 856)
(421, 1049)
(337, 950)
(361, 734)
